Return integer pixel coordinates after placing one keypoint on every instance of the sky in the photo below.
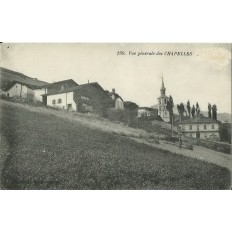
(203, 77)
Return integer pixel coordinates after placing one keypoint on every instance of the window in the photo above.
(160, 108)
(205, 135)
(59, 100)
(85, 98)
(190, 127)
(160, 102)
(212, 126)
(53, 102)
(205, 126)
(191, 135)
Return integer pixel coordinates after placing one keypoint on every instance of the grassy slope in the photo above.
(42, 151)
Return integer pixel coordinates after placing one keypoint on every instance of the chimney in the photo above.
(113, 90)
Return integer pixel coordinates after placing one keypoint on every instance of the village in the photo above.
(183, 131)
(91, 97)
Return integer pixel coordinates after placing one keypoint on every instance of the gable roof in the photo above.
(115, 94)
(8, 76)
(79, 88)
(89, 86)
(198, 120)
(61, 86)
(11, 84)
(147, 108)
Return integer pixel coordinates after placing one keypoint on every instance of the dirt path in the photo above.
(200, 153)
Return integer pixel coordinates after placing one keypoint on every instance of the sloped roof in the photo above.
(115, 94)
(61, 87)
(80, 88)
(10, 84)
(88, 86)
(198, 120)
(147, 108)
(8, 76)
(71, 81)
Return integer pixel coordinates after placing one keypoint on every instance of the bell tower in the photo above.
(162, 103)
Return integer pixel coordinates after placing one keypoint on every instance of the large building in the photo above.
(68, 95)
(162, 104)
(200, 127)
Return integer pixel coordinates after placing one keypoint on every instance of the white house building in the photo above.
(147, 112)
(200, 127)
(119, 103)
(62, 100)
(16, 84)
(18, 89)
(162, 104)
(26, 91)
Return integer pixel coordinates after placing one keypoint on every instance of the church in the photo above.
(162, 104)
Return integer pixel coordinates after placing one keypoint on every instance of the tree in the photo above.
(214, 112)
(193, 111)
(170, 105)
(181, 110)
(197, 109)
(209, 110)
(130, 105)
(189, 108)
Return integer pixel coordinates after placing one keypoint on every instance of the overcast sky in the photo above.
(205, 76)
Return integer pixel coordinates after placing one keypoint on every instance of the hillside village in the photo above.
(83, 126)
(91, 97)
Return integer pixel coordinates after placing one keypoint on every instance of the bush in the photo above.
(117, 115)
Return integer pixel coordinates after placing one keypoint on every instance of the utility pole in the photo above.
(172, 125)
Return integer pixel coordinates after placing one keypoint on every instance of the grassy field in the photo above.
(44, 151)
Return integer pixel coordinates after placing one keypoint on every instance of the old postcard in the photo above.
(115, 116)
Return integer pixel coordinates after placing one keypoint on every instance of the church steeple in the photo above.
(162, 101)
(162, 89)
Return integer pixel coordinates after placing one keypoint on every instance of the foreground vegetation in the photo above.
(44, 151)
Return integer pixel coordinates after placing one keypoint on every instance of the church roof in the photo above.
(162, 85)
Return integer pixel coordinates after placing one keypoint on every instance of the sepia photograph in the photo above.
(115, 116)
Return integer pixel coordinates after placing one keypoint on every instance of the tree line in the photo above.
(193, 111)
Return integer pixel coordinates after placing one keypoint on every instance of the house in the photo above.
(118, 101)
(147, 112)
(16, 84)
(162, 104)
(199, 127)
(60, 94)
(24, 91)
(90, 97)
